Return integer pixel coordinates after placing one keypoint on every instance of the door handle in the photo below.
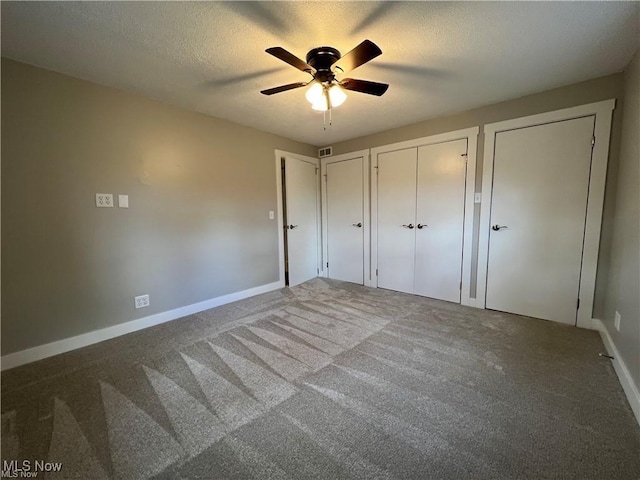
(497, 227)
(291, 227)
(408, 226)
(420, 226)
(359, 224)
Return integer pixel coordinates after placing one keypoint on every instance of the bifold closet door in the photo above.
(538, 214)
(440, 220)
(396, 218)
(302, 220)
(345, 232)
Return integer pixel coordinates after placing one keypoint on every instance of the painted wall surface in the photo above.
(199, 189)
(197, 225)
(623, 280)
(569, 96)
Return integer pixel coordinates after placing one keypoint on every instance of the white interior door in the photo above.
(345, 217)
(396, 219)
(302, 220)
(539, 204)
(440, 220)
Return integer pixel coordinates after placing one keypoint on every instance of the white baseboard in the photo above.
(628, 385)
(61, 346)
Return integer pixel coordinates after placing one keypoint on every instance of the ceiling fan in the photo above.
(323, 63)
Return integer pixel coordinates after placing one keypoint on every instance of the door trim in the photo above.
(279, 155)
(471, 135)
(366, 214)
(603, 112)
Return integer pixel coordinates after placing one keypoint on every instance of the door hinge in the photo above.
(593, 140)
(318, 270)
(578, 305)
(376, 272)
(460, 285)
(327, 264)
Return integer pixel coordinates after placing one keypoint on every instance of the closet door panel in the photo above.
(440, 212)
(396, 219)
(302, 234)
(345, 217)
(538, 211)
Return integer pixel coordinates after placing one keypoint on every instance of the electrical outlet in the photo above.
(104, 200)
(142, 301)
(616, 321)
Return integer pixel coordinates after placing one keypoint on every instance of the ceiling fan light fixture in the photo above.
(315, 94)
(323, 102)
(336, 95)
(320, 106)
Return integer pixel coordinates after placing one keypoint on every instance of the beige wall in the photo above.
(199, 190)
(623, 280)
(573, 95)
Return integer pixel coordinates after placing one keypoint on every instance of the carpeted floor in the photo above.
(328, 380)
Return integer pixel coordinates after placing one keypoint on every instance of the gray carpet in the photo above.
(328, 380)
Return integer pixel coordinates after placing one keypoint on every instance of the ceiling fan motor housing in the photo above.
(322, 58)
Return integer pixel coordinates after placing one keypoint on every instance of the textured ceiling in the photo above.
(438, 57)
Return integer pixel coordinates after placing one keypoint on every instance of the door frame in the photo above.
(279, 156)
(366, 212)
(469, 134)
(603, 112)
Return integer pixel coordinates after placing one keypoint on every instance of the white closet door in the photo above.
(539, 201)
(440, 206)
(302, 210)
(345, 238)
(396, 207)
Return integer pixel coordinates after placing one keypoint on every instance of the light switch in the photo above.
(123, 201)
(271, 215)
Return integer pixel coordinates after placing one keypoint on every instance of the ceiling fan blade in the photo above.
(360, 55)
(290, 58)
(364, 86)
(283, 88)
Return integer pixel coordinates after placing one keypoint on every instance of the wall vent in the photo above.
(325, 152)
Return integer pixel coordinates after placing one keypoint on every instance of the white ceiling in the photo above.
(438, 57)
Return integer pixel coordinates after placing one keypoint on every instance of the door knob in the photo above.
(359, 224)
(408, 226)
(291, 227)
(497, 227)
(420, 226)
